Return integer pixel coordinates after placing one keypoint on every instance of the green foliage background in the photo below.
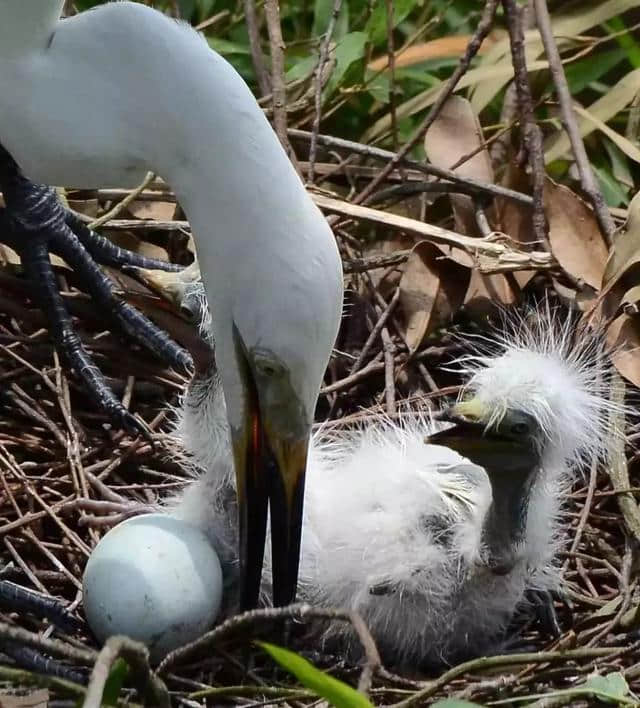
(355, 97)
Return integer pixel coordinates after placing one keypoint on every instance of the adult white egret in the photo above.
(434, 544)
(103, 97)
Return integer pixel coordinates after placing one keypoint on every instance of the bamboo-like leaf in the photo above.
(336, 692)
(595, 117)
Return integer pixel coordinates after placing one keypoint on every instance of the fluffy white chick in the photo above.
(435, 545)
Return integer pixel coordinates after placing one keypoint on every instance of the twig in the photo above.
(137, 657)
(482, 30)
(420, 698)
(318, 74)
(24, 678)
(496, 252)
(531, 136)
(50, 646)
(386, 155)
(587, 180)
(255, 619)
(279, 93)
(257, 57)
(617, 467)
(391, 66)
(389, 376)
(120, 206)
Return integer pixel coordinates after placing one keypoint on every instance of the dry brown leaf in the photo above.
(88, 207)
(574, 234)
(515, 220)
(35, 699)
(453, 46)
(151, 209)
(622, 271)
(456, 133)
(623, 336)
(432, 289)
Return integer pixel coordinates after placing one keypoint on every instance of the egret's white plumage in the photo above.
(398, 529)
(102, 97)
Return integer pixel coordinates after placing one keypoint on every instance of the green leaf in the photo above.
(626, 40)
(322, 11)
(114, 683)
(613, 192)
(376, 27)
(378, 87)
(302, 68)
(349, 50)
(336, 692)
(581, 73)
(224, 46)
(613, 685)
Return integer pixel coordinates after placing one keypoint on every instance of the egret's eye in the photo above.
(520, 429)
(267, 366)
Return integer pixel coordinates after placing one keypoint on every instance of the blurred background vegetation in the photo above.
(600, 43)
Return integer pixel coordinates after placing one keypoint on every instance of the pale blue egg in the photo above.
(156, 579)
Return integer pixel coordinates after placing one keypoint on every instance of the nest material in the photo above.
(67, 476)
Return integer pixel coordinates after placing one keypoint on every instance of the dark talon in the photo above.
(66, 244)
(107, 253)
(35, 223)
(19, 599)
(33, 660)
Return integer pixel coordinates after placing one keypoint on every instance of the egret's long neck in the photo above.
(27, 26)
(233, 178)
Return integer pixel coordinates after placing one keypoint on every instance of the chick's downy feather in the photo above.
(393, 527)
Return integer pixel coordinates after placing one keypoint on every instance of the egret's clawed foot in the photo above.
(19, 599)
(35, 224)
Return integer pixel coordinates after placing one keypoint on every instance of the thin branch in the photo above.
(587, 180)
(279, 93)
(255, 620)
(137, 657)
(319, 85)
(491, 250)
(394, 159)
(483, 29)
(257, 57)
(391, 65)
(531, 135)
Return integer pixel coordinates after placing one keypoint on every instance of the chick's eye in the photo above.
(519, 429)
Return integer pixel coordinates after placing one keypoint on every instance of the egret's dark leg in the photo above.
(34, 223)
(544, 610)
(37, 267)
(19, 599)
(28, 658)
(107, 253)
(65, 243)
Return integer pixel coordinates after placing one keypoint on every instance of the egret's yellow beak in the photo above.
(270, 447)
(270, 473)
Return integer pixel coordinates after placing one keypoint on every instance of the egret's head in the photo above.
(272, 348)
(541, 401)
(272, 368)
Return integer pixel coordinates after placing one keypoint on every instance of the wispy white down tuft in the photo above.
(393, 527)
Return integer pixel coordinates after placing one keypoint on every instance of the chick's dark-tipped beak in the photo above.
(510, 464)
